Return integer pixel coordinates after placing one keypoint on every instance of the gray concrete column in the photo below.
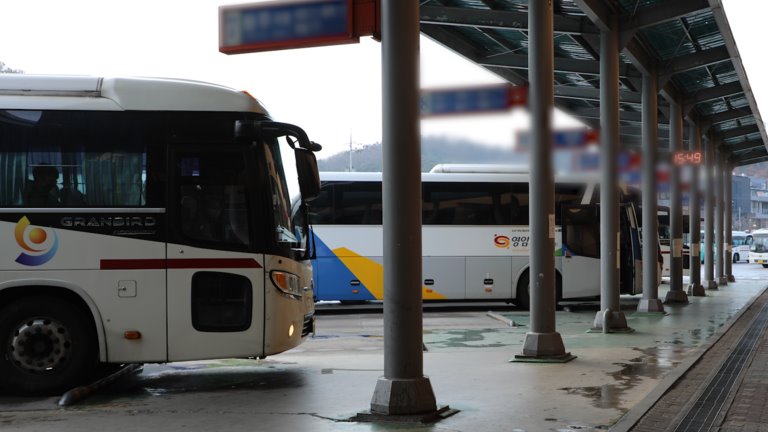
(676, 294)
(650, 301)
(722, 279)
(403, 389)
(542, 341)
(610, 317)
(694, 287)
(709, 214)
(728, 186)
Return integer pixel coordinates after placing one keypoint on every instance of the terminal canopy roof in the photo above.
(688, 43)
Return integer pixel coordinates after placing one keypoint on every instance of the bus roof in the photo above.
(453, 177)
(61, 92)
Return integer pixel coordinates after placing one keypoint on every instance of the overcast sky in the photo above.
(334, 93)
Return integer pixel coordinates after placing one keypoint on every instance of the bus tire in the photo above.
(735, 257)
(47, 344)
(523, 299)
(524, 290)
(765, 265)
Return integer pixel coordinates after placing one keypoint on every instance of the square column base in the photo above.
(676, 296)
(722, 280)
(731, 278)
(545, 347)
(710, 285)
(650, 305)
(696, 290)
(400, 396)
(609, 321)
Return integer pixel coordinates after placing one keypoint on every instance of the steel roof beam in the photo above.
(730, 42)
(500, 19)
(597, 11)
(743, 146)
(664, 11)
(592, 94)
(723, 117)
(741, 162)
(751, 155)
(692, 61)
(562, 65)
(630, 116)
(739, 131)
(710, 93)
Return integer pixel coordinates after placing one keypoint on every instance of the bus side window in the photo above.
(212, 198)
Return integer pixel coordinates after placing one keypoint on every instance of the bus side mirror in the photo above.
(308, 173)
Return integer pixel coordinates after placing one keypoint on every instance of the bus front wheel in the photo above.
(47, 346)
(765, 265)
(735, 257)
(524, 291)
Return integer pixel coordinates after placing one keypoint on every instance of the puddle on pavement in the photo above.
(654, 363)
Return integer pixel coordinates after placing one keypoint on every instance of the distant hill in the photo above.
(757, 170)
(434, 150)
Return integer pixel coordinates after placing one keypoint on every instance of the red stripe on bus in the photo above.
(178, 263)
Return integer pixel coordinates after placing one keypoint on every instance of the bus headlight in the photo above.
(286, 282)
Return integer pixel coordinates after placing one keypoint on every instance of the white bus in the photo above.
(740, 243)
(475, 238)
(758, 250)
(142, 221)
(741, 247)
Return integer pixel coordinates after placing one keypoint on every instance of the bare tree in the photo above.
(6, 69)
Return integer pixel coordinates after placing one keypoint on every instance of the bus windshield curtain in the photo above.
(113, 179)
(12, 178)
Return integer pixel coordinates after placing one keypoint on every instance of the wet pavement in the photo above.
(325, 382)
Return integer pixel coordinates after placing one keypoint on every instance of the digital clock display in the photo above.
(688, 158)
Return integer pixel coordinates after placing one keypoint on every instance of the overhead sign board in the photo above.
(279, 25)
(471, 100)
(626, 161)
(564, 139)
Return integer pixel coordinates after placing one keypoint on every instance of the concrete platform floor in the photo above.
(330, 378)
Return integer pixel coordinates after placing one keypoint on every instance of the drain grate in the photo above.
(705, 411)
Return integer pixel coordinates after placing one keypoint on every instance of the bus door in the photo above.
(630, 252)
(215, 286)
(580, 250)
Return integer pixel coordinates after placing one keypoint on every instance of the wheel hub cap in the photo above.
(40, 345)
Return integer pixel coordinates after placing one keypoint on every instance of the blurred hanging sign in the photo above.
(277, 25)
(472, 100)
(626, 161)
(564, 139)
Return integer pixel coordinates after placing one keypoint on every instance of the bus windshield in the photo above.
(759, 244)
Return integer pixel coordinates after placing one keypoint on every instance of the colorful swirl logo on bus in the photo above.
(505, 242)
(501, 241)
(37, 241)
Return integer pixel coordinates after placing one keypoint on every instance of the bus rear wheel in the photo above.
(765, 265)
(735, 257)
(47, 346)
